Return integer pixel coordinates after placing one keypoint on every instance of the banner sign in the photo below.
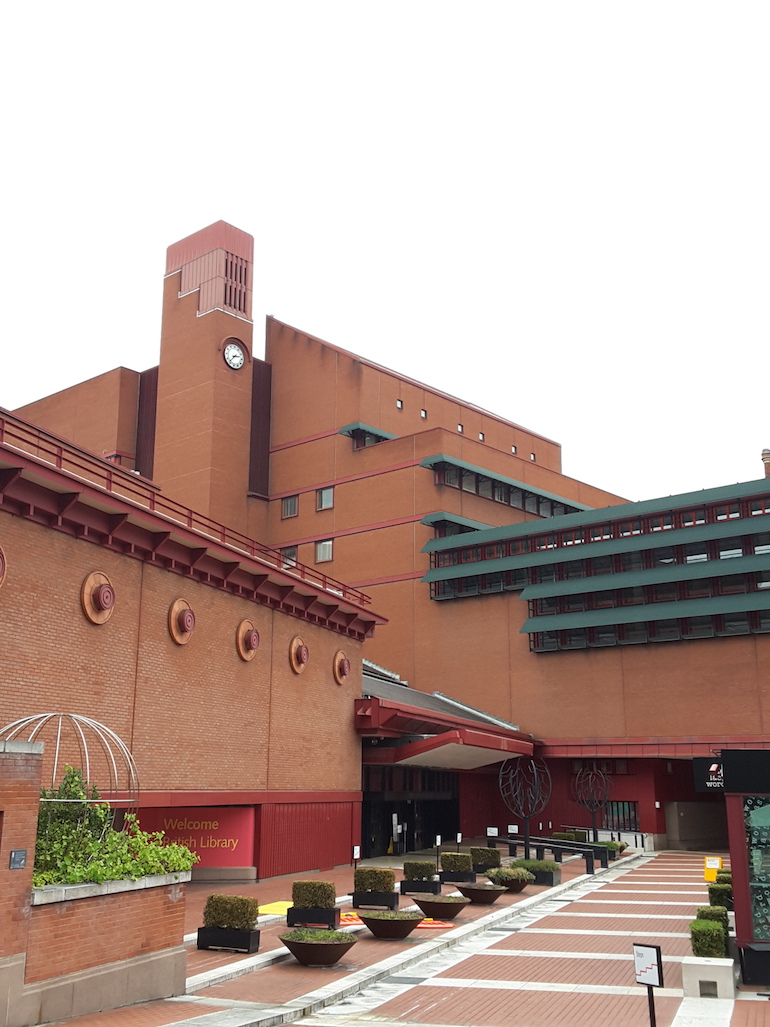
(709, 774)
(222, 836)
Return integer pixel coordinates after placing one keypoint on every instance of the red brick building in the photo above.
(506, 585)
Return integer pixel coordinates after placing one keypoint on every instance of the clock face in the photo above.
(234, 356)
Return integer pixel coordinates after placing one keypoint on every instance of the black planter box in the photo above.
(478, 868)
(378, 899)
(228, 938)
(299, 917)
(463, 876)
(547, 877)
(420, 887)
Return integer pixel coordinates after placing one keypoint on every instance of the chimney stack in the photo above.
(766, 461)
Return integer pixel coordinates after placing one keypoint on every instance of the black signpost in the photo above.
(648, 964)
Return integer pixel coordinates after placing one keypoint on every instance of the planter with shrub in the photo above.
(391, 923)
(546, 871)
(374, 886)
(313, 947)
(456, 866)
(419, 877)
(613, 848)
(564, 836)
(441, 907)
(513, 879)
(708, 939)
(724, 877)
(721, 895)
(314, 903)
(482, 894)
(229, 922)
(484, 858)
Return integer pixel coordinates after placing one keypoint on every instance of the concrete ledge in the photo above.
(88, 890)
(224, 873)
(703, 977)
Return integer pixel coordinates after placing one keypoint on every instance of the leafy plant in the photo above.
(483, 856)
(374, 879)
(313, 894)
(721, 895)
(708, 939)
(717, 913)
(450, 899)
(536, 864)
(614, 846)
(504, 875)
(76, 841)
(316, 934)
(235, 911)
(390, 914)
(580, 836)
(419, 870)
(565, 836)
(456, 862)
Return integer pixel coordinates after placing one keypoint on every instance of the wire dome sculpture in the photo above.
(86, 745)
(525, 785)
(591, 789)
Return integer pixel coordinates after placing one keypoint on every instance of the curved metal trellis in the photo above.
(591, 789)
(525, 785)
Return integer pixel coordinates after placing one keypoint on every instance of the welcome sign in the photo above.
(222, 836)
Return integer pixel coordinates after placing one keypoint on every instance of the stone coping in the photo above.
(88, 890)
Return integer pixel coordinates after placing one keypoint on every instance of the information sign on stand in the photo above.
(711, 867)
(648, 965)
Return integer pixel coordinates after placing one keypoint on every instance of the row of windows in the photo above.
(324, 552)
(713, 514)
(499, 492)
(324, 500)
(652, 631)
(661, 592)
(606, 766)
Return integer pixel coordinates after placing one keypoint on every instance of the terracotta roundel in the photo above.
(341, 667)
(181, 621)
(3, 566)
(247, 640)
(97, 597)
(299, 655)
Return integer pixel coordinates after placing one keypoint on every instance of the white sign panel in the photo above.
(648, 965)
(491, 832)
(356, 852)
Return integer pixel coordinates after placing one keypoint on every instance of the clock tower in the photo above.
(203, 408)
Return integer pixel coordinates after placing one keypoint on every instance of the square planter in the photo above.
(299, 917)
(378, 899)
(457, 876)
(228, 938)
(420, 887)
(547, 877)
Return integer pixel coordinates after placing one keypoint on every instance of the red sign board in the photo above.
(222, 836)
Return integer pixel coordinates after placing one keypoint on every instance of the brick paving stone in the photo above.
(470, 1007)
(146, 1014)
(591, 943)
(675, 925)
(751, 1014)
(617, 973)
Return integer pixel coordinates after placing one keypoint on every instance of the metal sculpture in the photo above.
(525, 785)
(591, 789)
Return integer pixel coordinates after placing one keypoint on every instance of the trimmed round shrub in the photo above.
(484, 856)
(419, 870)
(721, 895)
(724, 877)
(374, 879)
(234, 911)
(580, 836)
(536, 864)
(717, 913)
(313, 894)
(708, 939)
(456, 862)
(504, 875)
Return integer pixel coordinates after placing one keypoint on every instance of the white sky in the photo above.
(556, 210)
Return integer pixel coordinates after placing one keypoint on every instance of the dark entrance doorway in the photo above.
(423, 803)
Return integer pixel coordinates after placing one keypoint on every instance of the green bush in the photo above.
(724, 877)
(580, 836)
(456, 862)
(315, 934)
(536, 864)
(708, 939)
(721, 895)
(374, 879)
(564, 836)
(612, 846)
(718, 913)
(390, 914)
(235, 911)
(484, 856)
(76, 841)
(313, 895)
(419, 870)
(504, 875)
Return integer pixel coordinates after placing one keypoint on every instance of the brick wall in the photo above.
(20, 767)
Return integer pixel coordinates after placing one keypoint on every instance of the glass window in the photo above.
(726, 513)
(530, 502)
(698, 589)
(290, 506)
(763, 580)
(545, 606)
(399, 404)
(544, 641)
(735, 624)
(468, 481)
(423, 414)
(632, 596)
(575, 639)
(660, 523)
(698, 627)
(452, 476)
(691, 517)
(288, 557)
(573, 604)
(604, 635)
(762, 543)
(631, 562)
(481, 436)
(664, 591)
(696, 552)
(730, 548)
(324, 551)
(630, 634)
(731, 583)
(324, 499)
(663, 557)
(513, 450)
(665, 630)
(602, 565)
(460, 428)
(500, 492)
(485, 487)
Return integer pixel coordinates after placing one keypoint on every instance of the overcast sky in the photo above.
(556, 210)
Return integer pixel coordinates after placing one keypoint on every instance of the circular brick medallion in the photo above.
(299, 655)
(97, 597)
(181, 621)
(3, 566)
(246, 640)
(341, 667)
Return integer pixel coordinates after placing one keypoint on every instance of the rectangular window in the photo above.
(324, 551)
(324, 499)
(621, 816)
(698, 627)
(513, 450)
(288, 557)
(698, 589)
(423, 414)
(481, 436)
(460, 428)
(696, 552)
(730, 548)
(399, 404)
(290, 506)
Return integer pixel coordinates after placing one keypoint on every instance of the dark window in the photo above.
(290, 506)
(621, 816)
